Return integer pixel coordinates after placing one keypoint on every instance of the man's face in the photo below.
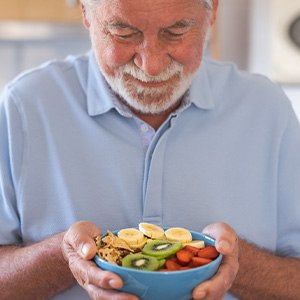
(149, 50)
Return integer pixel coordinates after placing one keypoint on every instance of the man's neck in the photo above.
(156, 120)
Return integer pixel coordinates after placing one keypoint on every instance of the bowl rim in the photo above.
(161, 273)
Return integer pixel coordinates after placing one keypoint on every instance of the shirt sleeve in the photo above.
(11, 149)
(289, 190)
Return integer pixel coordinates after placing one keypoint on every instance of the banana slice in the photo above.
(152, 231)
(139, 245)
(178, 234)
(132, 236)
(196, 243)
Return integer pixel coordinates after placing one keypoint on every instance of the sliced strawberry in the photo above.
(208, 252)
(199, 261)
(192, 249)
(184, 256)
(172, 265)
(173, 258)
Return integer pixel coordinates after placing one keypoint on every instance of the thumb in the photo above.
(88, 250)
(224, 235)
(80, 238)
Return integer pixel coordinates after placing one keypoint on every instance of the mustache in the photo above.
(131, 69)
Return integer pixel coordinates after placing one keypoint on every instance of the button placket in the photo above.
(153, 177)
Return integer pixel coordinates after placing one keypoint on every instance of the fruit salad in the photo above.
(152, 248)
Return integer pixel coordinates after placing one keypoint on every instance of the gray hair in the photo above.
(91, 5)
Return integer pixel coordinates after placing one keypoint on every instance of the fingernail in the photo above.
(85, 249)
(200, 295)
(224, 245)
(114, 284)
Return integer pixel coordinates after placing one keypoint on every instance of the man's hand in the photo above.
(78, 249)
(226, 244)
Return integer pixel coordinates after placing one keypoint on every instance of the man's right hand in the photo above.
(79, 248)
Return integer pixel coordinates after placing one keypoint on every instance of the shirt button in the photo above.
(144, 128)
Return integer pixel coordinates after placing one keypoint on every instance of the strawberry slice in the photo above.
(192, 249)
(172, 265)
(208, 252)
(184, 256)
(197, 261)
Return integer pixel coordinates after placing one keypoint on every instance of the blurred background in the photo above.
(260, 36)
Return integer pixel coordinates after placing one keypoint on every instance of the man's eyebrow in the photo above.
(182, 24)
(120, 25)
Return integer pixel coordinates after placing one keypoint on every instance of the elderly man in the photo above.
(144, 128)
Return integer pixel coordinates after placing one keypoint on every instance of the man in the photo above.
(146, 129)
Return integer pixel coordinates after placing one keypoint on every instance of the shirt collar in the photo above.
(101, 99)
(200, 93)
(99, 95)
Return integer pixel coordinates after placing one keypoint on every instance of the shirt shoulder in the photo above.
(50, 76)
(231, 85)
(228, 72)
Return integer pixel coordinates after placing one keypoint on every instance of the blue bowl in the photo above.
(153, 285)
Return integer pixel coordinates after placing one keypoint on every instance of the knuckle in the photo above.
(233, 268)
(94, 293)
(104, 279)
(83, 279)
(227, 284)
(90, 277)
(236, 270)
(81, 274)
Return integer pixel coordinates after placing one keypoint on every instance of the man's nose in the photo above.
(152, 57)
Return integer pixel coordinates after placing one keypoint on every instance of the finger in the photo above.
(99, 294)
(99, 284)
(87, 273)
(80, 237)
(210, 289)
(225, 237)
(218, 285)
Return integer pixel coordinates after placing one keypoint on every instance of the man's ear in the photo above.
(85, 19)
(214, 11)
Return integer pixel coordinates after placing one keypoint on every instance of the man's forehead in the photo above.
(166, 12)
(148, 6)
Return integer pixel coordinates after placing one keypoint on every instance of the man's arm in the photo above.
(264, 276)
(38, 271)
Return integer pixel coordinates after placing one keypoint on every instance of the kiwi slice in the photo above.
(161, 263)
(161, 248)
(141, 262)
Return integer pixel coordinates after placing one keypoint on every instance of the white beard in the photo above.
(150, 100)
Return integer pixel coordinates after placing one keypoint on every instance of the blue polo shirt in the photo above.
(69, 152)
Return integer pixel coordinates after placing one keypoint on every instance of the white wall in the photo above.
(233, 25)
(245, 39)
